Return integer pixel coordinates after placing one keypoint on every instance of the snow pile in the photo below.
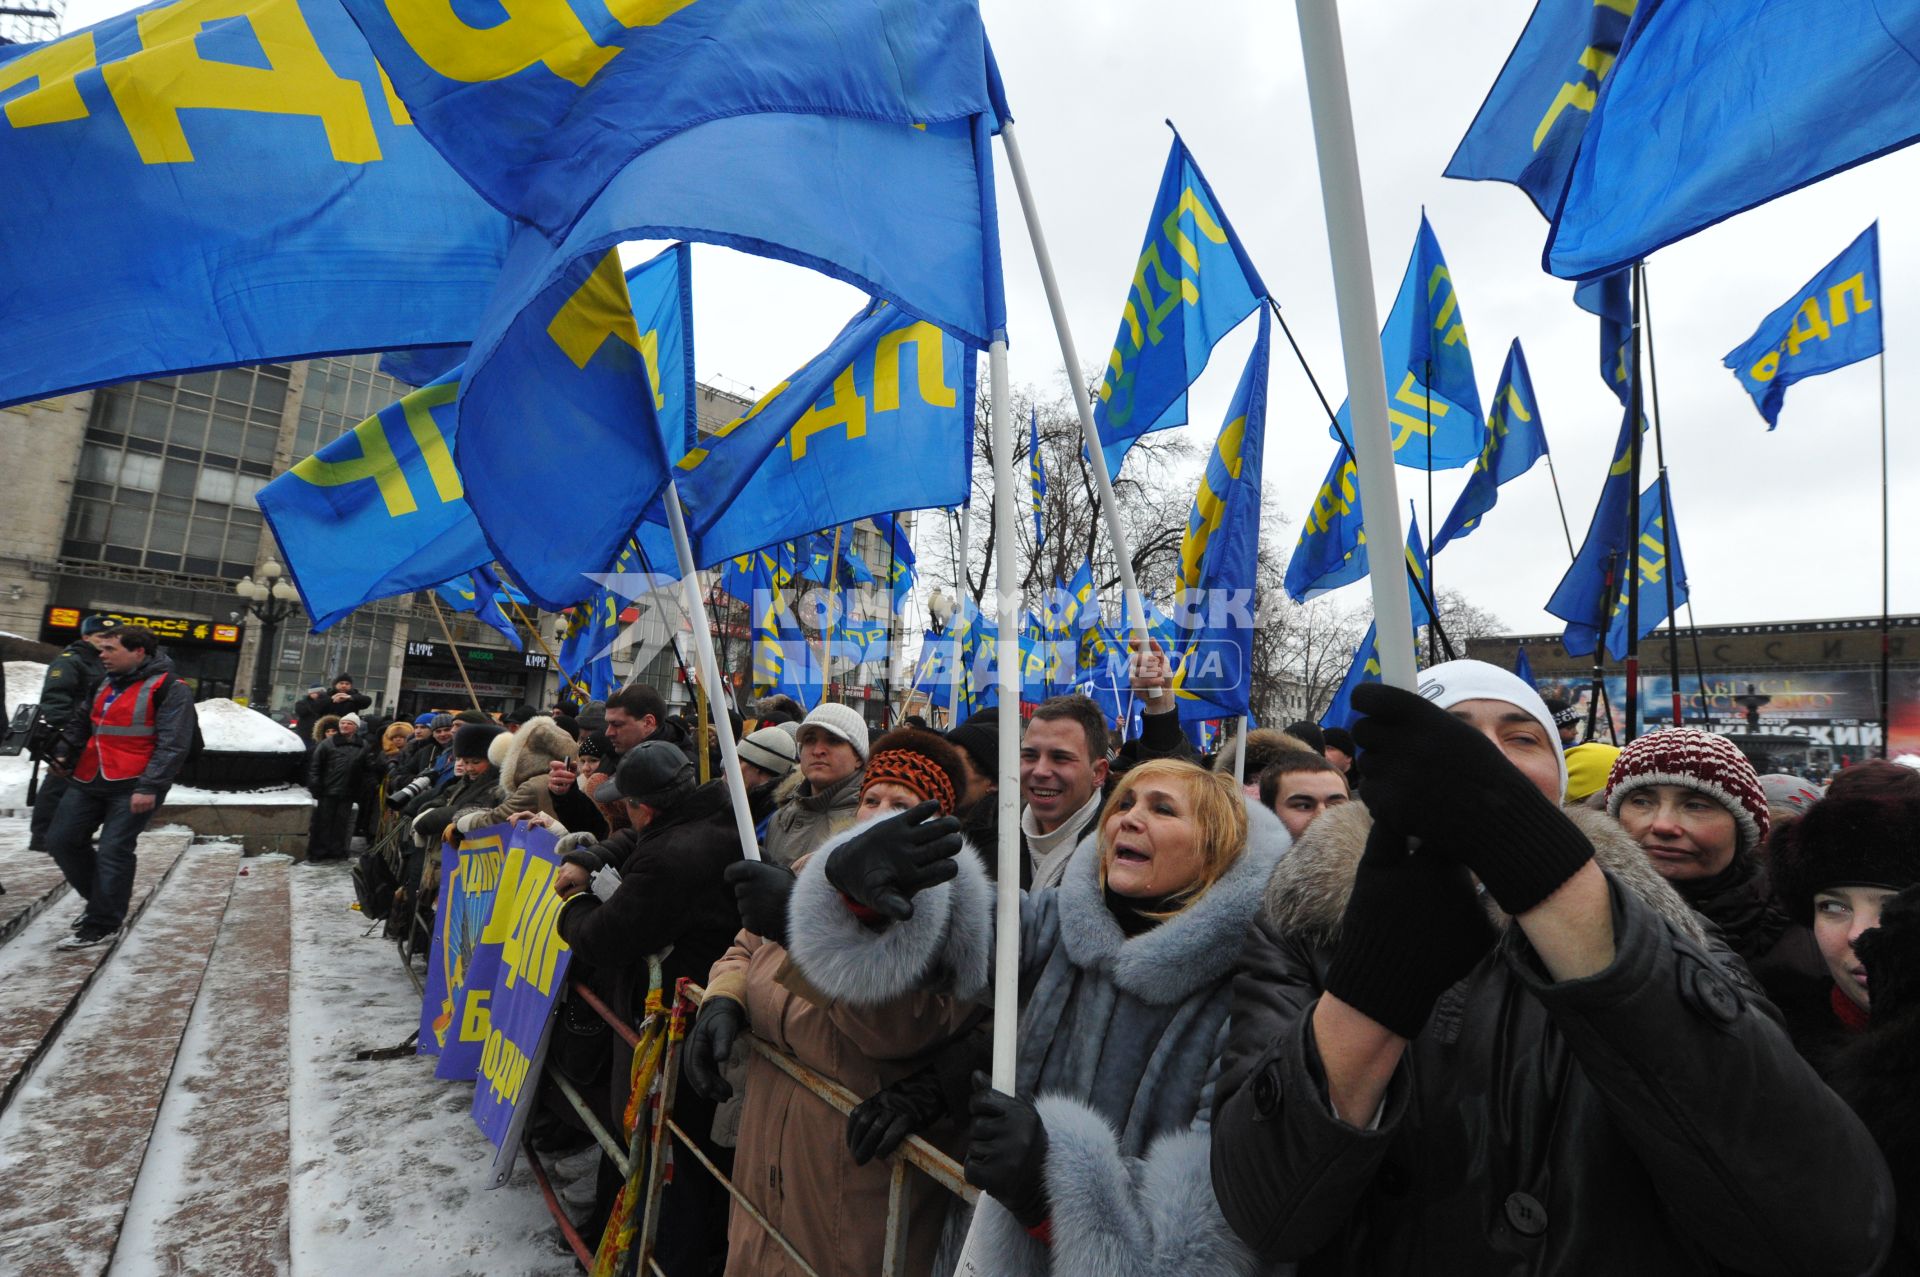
(231, 728)
(1909, 760)
(288, 795)
(23, 683)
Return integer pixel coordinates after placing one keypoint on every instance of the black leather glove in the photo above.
(1438, 779)
(709, 1044)
(761, 891)
(883, 865)
(880, 1124)
(1007, 1153)
(1413, 927)
(1891, 954)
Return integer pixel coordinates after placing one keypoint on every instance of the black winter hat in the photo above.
(520, 714)
(652, 772)
(1310, 733)
(979, 739)
(1341, 739)
(1865, 841)
(470, 740)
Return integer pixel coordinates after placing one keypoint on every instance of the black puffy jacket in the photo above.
(1652, 1118)
(335, 767)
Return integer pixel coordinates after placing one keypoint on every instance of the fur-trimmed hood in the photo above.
(1188, 951)
(539, 742)
(1308, 892)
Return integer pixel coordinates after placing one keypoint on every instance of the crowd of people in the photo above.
(1452, 992)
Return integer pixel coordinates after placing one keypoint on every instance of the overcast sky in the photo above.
(1779, 526)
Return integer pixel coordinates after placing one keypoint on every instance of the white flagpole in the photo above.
(1326, 64)
(1240, 754)
(1136, 612)
(710, 676)
(1006, 935)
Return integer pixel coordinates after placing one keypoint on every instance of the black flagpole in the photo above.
(1634, 410)
(1666, 513)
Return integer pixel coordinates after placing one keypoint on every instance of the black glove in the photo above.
(883, 865)
(880, 1124)
(1438, 779)
(709, 1045)
(761, 891)
(1891, 954)
(1007, 1153)
(1413, 927)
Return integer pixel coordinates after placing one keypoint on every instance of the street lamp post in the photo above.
(269, 600)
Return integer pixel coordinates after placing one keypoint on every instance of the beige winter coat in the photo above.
(523, 770)
(792, 1161)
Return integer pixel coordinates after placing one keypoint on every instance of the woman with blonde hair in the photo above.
(1098, 1161)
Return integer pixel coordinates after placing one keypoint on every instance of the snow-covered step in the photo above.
(33, 882)
(73, 1139)
(40, 984)
(212, 1194)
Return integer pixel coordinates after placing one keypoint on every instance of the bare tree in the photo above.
(1461, 622)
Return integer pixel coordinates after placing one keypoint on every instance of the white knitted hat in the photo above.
(843, 721)
(1452, 682)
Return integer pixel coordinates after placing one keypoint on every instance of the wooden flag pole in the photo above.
(1326, 68)
(454, 647)
(710, 675)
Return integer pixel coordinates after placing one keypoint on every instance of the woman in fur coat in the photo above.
(1850, 868)
(1098, 1162)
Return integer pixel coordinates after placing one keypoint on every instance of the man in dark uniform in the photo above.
(71, 679)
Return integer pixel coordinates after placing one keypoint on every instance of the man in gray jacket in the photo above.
(120, 757)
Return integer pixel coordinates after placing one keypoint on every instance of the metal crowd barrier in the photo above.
(658, 1125)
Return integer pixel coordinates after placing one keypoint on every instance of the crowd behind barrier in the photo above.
(1257, 1019)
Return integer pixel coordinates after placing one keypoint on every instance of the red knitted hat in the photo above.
(1699, 760)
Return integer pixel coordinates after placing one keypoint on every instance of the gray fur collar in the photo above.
(1309, 891)
(1189, 950)
(539, 741)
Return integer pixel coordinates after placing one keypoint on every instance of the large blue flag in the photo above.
(1192, 284)
(1530, 125)
(1523, 667)
(784, 661)
(604, 364)
(900, 560)
(881, 421)
(1366, 657)
(1657, 559)
(1434, 407)
(1833, 321)
(224, 184)
(481, 593)
(1220, 558)
(1611, 298)
(1716, 108)
(379, 511)
(586, 645)
(937, 672)
(1583, 596)
(1515, 440)
(715, 122)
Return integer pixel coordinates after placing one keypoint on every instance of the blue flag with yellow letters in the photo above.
(1515, 440)
(1331, 550)
(481, 593)
(379, 511)
(1530, 125)
(900, 560)
(881, 421)
(1611, 298)
(1774, 95)
(1366, 658)
(1582, 597)
(1656, 558)
(564, 345)
(1833, 321)
(1433, 408)
(1192, 284)
(228, 184)
(1219, 558)
(784, 662)
(701, 120)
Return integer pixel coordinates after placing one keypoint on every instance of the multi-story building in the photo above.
(138, 499)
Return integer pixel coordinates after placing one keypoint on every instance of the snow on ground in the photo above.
(24, 680)
(389, 1171)
(229, 727)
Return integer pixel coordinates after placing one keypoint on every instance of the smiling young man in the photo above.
(1476, 1033)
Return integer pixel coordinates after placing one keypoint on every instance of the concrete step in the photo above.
(40, 984)
(76, 1133)
(212, 1194)
(33, 882)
